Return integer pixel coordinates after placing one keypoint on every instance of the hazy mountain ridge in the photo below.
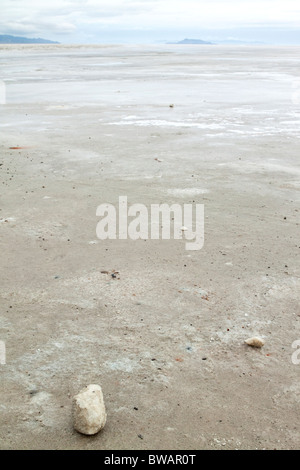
(7, 39)
(191, 41)
(220, 42)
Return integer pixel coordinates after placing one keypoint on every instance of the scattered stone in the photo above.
(89, 414)
(255, 342)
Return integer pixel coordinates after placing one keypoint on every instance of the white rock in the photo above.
(255, 342)
(89, 414)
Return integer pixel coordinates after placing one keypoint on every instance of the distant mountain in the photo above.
(191, 41)
(229, 42)
(6, 39)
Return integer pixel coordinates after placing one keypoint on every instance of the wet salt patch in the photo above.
(187, 191)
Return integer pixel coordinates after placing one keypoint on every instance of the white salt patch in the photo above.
(187, 191)
(218, 134)
(297, 122)
(162, 123)
(105, 64)
(82, 155)
(8, 219)
(124, 365)
(131, 117)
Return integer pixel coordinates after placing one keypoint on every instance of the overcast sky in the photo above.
(146, 21)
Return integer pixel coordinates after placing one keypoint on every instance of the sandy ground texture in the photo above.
(160, 328)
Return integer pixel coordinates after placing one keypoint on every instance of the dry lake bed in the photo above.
(160, 328)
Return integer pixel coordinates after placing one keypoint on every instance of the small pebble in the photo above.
(255, 342)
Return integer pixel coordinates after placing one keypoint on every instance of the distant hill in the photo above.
(229, 42)
(6, 39)
(191, 41)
